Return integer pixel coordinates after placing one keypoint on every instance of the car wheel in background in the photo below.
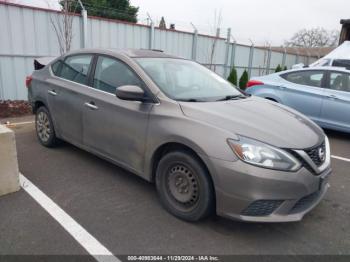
(184, 186)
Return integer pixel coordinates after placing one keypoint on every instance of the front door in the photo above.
(113, 127)
(336, 104)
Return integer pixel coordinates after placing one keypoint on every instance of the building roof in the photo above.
(304, 51)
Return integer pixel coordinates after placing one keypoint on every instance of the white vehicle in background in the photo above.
(339, 57)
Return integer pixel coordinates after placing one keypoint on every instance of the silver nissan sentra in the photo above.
(208, 146)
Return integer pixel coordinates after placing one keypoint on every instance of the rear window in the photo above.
(339, 81)
(74, 68)
(55, 67)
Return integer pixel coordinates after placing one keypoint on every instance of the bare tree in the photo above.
(314, 37)
(62, 23)
(216, 29)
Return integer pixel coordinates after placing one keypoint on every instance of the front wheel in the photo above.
(44, 128)
(184, 186)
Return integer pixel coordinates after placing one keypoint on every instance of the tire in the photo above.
(184, 186)
(44, 128)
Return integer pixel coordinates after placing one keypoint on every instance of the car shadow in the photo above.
(337, 134)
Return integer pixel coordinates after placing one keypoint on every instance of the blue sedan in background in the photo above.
(321, 93)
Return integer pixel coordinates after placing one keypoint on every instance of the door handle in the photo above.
(282, 87)
(52, 92)
(91, 105)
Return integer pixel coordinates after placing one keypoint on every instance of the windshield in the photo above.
(185, 80)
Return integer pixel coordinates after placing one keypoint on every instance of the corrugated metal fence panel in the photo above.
(259, 57)
(276, 59)
(204, 50)
(290, 60)
(26, 33)
(204, 45)
(110, 34)
(242, 56)
(174, 43)
(220, 51)
(259, 62)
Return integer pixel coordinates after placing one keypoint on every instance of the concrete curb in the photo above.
(9, 173)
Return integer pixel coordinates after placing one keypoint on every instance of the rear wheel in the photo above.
(44, 128)
(184, 186)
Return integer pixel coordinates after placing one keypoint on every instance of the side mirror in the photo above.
(130, 93)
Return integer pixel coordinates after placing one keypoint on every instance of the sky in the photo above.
(260, 21)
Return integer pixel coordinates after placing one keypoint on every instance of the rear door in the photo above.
(303, 91)
(115, 128)
(65, 95)
(336, 104)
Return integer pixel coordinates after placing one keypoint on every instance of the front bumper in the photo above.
(249, 193)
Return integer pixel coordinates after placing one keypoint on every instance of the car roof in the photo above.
(326, 68)
(144, 53)
(132, 53)
(314, 68)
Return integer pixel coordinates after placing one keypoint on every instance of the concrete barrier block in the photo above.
(9, 173)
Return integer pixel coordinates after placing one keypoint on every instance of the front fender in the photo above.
(206, 140)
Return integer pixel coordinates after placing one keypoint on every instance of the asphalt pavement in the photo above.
(122, 211)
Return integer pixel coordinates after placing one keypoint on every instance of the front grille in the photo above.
(303, 162)
(314, 154)
(261, 208)
(305, 202)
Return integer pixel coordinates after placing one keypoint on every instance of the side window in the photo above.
(342, 63)
(111, 73)
(308, 78)
(75, 68)
(339, 81)
(56, 67)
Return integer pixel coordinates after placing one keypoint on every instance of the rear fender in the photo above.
(265, 91)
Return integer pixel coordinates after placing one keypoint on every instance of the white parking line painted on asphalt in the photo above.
(84, 238)
(341, 158)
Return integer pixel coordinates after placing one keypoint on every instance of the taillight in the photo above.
(254, 83)
(28, 81)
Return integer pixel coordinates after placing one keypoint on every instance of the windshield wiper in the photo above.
(232, 97)
(189, 100)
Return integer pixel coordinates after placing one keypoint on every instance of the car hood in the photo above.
(259, 119)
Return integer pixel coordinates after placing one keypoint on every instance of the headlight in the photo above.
(260, 154)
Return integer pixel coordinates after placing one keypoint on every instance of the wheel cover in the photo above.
(43, 126)
(183, 186)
